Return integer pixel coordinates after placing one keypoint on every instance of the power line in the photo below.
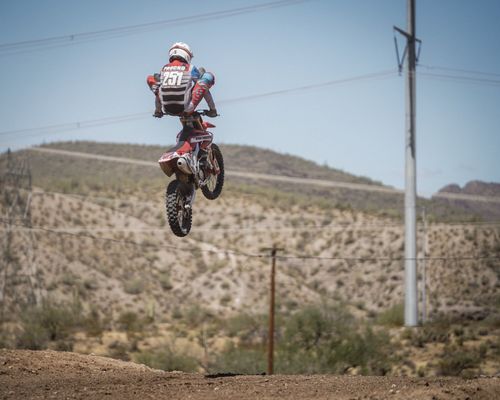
(250, 255)
(252, 175)
(336, 226)
(466, 71)
(250, 229)
(270, 177)
(436, 224)
(111, 33)
(72, 126)
(130, 242)
(462, 78)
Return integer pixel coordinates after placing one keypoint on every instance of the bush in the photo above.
(455, 361)
(329, 340)
(195, 315)
(437, 331)
(249, 328)
(165, 282)
(167, 359)
(47, 323)
(134, 286)
(129, 321)
(240, 360)
(93, 324)
(393, 316)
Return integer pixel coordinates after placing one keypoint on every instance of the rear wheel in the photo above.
(179, 217)
(213, 188)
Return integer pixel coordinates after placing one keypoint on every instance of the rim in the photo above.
(212, 182)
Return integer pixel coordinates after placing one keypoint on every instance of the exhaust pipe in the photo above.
(183, 165)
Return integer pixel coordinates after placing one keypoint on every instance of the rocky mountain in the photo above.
(474, 188)
(476, 197)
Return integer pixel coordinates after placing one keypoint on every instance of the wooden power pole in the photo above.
(270, 344)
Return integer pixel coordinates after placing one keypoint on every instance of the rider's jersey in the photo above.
(176, 84)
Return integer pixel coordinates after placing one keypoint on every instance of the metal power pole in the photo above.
(411, 297)
(270, 345)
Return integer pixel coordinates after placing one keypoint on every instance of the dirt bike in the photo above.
(197, 164)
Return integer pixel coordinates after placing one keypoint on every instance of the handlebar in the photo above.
(203, 112)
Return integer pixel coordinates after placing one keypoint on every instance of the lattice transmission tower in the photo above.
(18, 272)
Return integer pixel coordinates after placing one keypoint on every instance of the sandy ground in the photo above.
(58, 375)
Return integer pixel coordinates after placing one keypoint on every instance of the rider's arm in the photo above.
(153, 82)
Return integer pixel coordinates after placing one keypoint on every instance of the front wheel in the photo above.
(213, 188)
(179, 216)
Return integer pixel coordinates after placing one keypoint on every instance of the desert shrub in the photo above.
(129, 321)
(195, 315)
(328, 339)
(226, 299)
(437, 331)
(119, 350)
(393, 316)
(240, 360)
(134, 286)
(177, 313)
(49, 322)
(248, 328)
(92, 323)
(164, 280)
(167, 359)
(454, 361)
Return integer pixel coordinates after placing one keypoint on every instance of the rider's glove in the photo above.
(158, 114)
(212, 113)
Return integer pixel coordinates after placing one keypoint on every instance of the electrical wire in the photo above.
(150, 204)
(111, 33)
(343, 226)
(124, 241)
(459, 70)
(72, 126)
(462, 78)
(250, 255)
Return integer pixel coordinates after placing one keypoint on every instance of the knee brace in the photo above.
(203, 85)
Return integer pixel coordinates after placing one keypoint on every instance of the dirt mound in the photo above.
(60, 375)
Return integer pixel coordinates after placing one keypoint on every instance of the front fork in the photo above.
(188, 190)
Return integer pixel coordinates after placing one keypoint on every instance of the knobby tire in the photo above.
(207, 192)
(173, 196)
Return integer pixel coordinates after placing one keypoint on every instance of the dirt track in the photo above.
(57, 375)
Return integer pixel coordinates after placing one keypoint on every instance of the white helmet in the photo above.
(182, 50)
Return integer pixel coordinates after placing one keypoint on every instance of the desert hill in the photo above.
(98, 246)
(459, 198)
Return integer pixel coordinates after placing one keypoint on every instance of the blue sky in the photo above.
(356, 126)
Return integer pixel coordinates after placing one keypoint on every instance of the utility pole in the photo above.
(270, 344)
(411, 297)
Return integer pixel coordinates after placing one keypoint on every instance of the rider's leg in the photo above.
(200, 90)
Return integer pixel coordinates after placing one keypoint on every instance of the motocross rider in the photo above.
(180, 86)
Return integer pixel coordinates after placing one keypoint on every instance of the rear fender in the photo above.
(168, 160)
